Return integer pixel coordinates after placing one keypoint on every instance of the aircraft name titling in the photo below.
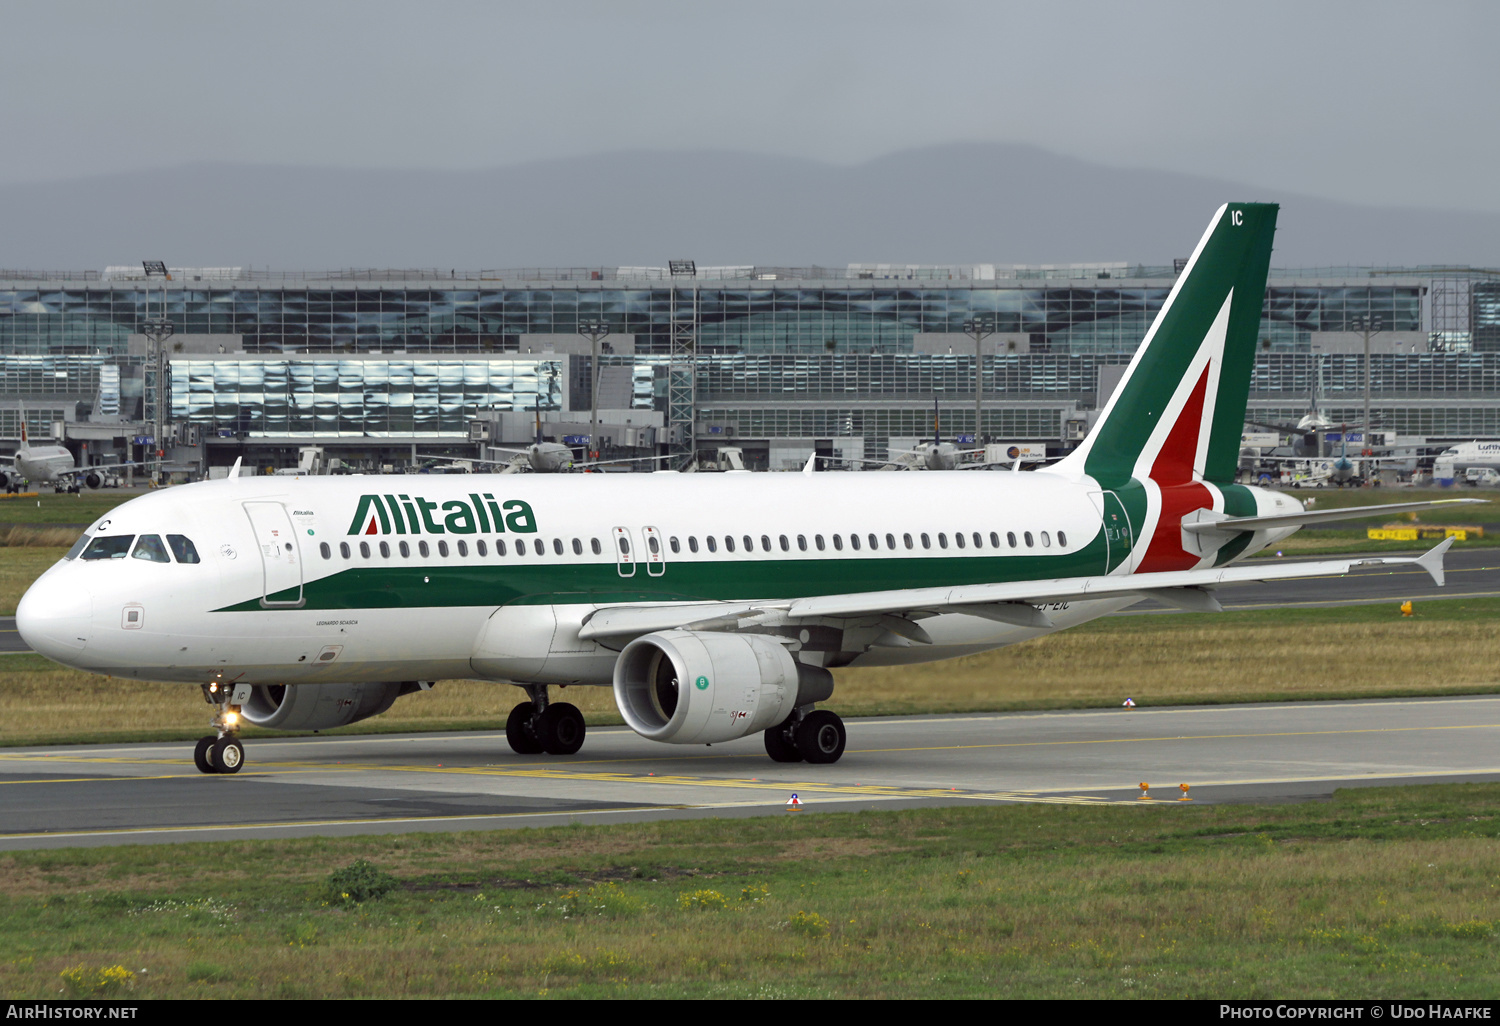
(403, 514)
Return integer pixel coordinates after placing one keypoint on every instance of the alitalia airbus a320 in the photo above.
(714, 604)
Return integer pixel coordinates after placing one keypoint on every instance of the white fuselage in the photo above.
(303, 580)
(44, 464)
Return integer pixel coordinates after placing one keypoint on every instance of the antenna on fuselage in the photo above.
(234, 471)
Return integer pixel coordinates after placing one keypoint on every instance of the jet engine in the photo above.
(697, 687)
(93, 479)
(321, 706)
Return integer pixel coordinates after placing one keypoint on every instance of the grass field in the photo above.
(1389, 893)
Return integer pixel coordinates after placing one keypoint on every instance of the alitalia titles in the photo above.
(403, 514)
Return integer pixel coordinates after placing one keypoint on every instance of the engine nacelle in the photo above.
(93, 479)
(320, 706)
(699, 687)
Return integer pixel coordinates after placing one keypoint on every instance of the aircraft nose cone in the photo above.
(54, 615)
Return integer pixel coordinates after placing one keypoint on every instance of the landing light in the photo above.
(231, 718)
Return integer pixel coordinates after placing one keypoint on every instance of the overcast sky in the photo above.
(1384, 103)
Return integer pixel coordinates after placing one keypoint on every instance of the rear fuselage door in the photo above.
(1117, 532)
(280, 556)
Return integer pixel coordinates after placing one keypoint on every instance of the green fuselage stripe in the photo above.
(400, 584)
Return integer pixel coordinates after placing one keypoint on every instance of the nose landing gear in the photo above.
(556, 728)
(222, 752)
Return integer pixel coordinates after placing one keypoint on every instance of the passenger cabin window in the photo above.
(692, 543)
(578, 546)
(729, 543)
(673, 542)
(385, 550)
(890, 541)
(785, 545)
(1029, 542)
(364, 550)
(463, 548)
(818, 541)
(594, 544)
(557, 546)
(942, 540)
(343, 550)
(958, 538)
(1010, 536)
(854, 541)
(1046, 540)
(1062, 540)
(442, 549)
(151, 548)
(905, 538)
(325, 550)
(802, 543)
(186, 552)
(109, 548)
(499, 546)
(479, 547)
(978, 540)
(750, 544)
(838, 542)
(926, 541)
(994, 540)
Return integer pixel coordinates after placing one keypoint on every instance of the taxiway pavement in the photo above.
(332, 786)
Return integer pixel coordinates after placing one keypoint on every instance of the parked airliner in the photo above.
(53, 464)
(714, 605)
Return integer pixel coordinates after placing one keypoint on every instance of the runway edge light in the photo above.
(794, 803)
(1184, 789)
(1144, 796)
(1406, 608)
(1129, 703)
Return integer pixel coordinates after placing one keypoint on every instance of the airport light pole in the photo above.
(1367, 326)
(979, 329)
(595, 332)
(157, 331)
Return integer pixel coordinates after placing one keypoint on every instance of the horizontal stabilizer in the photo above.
(1213, 522)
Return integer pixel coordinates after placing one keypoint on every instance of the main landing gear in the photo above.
(537, 726)
(817, 737)
(221, 752)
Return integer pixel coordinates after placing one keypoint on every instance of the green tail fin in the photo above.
(1179, 411)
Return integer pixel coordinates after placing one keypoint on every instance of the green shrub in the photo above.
(358, 882)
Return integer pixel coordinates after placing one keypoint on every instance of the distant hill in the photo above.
(960, 203)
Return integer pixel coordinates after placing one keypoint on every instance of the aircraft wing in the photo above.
(1019, 602)
(104, 468)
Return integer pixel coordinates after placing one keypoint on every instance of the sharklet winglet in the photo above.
(1432, 560)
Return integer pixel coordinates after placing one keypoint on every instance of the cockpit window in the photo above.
(114, 547)
(183, 548)
(72, 553)
(150, 547)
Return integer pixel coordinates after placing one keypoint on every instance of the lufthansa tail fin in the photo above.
(1179, 411)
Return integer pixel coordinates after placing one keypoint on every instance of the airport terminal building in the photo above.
(382, 366)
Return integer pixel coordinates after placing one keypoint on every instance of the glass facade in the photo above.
(787, 318)
(256, 398)
(794, 357)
